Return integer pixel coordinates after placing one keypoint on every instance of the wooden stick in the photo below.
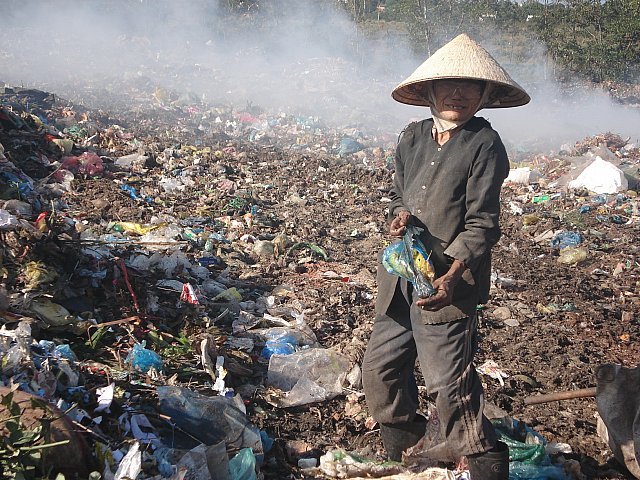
(566, 395)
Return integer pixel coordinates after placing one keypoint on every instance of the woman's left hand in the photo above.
(443, 296)
(445, 286)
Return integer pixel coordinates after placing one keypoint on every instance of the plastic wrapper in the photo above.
(408, 259)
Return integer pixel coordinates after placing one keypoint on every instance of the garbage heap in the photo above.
(171, 271)
(141, 280)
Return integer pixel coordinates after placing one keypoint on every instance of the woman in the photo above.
(448, 175)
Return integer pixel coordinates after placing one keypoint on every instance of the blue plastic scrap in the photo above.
(134, 194)
(349, 146)
(566, 239)
(142, 359)
(279, 344)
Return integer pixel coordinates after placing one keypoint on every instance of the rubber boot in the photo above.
(398, 437)
(491, 465)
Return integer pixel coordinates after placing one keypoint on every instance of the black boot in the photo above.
(491, 465)
(398, 437)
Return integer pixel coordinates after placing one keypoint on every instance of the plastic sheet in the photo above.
(522, 471)
(131, 465)
(525, 445)
(601, 177)
(408, 258)
(7, 220)
(307, 376)
(209, 419)
(88, 163)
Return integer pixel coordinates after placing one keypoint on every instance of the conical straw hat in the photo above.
(462, 58)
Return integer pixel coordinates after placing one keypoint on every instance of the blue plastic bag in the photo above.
(566, 239)
(279, 343)
(408, 258)
(523, 471)
(142, 359)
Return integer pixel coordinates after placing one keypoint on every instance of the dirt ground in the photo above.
(547, 327)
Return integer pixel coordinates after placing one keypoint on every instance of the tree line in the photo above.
(599, 40)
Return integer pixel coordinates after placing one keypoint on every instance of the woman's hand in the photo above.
(399, 223)
(445, 286)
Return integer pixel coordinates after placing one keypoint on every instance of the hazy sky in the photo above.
(307, 58)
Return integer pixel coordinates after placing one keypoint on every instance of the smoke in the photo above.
(558, 115)
(300, 57)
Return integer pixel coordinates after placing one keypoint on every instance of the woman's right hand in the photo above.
(399, 224)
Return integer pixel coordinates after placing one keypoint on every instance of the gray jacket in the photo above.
(453, 192)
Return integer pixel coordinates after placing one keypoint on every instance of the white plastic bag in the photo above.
(601, 177)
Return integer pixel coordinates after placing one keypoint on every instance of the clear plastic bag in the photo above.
(307, 376)
(408, 258)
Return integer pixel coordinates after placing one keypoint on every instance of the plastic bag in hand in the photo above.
(408, 258)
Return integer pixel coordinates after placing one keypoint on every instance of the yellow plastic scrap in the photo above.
(36, 120)
(137, 228)
(424, 265)
(572, 255)
(35, 274)
(161, 95)
(104, 455)
(230, 294)
(64, 144)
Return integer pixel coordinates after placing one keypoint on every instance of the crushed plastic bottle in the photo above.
(307, 376)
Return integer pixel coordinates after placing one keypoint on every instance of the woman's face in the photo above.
(457, 100)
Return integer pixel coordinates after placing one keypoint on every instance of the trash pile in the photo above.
(193, 285)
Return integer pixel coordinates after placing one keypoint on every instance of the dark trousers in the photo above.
(445, 354)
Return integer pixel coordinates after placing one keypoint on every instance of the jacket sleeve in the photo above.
(481, 224)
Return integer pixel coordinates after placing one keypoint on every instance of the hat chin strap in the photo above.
(443, 125)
